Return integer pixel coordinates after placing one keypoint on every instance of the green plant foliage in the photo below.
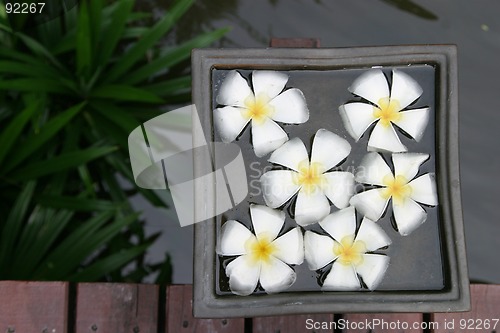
(71, 90)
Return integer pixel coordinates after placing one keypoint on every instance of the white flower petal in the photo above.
(311, 207)
(370, 203)
(372, 170)
(266, 221)
(290, 107)
(339, 187)
(270, 83)
(404, 88)
(232, 238)
(407, 164)
(329, 149)
(385, 139)
(372, 85)
(357, 117)
(290, 247)
(414, 122)
(276, 276)
(373, 269)
(278, 187)
(341, 277)
(290, 154)
(408, 215)
(423, 189)
(340, 224)
(229, 122)
(234, 90)
(243, 277)
(318, 250)
(267, 137)
(372, 235)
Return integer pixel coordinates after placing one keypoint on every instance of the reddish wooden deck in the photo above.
(58, 307)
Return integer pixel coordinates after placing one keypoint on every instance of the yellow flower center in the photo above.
(257, 108)
(260, 249)
(349, 251)
(309, 176)
(396, 187)
(388, 111)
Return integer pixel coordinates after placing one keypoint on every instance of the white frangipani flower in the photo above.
(309, 177)
(387, 108)
(263, 105)
(263, 257)
(351, 253)
(400, 187)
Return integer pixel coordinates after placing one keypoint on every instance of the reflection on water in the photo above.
(342, 23)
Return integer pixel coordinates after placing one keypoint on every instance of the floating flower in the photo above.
(388, 109)
(310, 178)
(263, 105)
(399, 187)
(262, 257)
(351, 253)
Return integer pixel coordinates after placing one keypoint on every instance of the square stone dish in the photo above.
(428, 270)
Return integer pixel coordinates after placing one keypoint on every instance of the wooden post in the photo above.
(37, 307)
(291, 324)
(116, 307)
(485, 301)
(180, 315)
(388, 322)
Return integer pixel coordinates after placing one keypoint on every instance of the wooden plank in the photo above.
(383, 322)
(295, 42)
(37, 307)
(293, 323)
(116, 307)
(484, 314)
(180, 315)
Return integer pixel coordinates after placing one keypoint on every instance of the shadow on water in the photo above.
(412, 8)
(404, 5)
(203, 15)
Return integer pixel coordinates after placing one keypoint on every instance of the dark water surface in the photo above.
(472, 25)
(325, 90)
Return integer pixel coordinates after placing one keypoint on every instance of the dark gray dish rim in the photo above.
(454, 297)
